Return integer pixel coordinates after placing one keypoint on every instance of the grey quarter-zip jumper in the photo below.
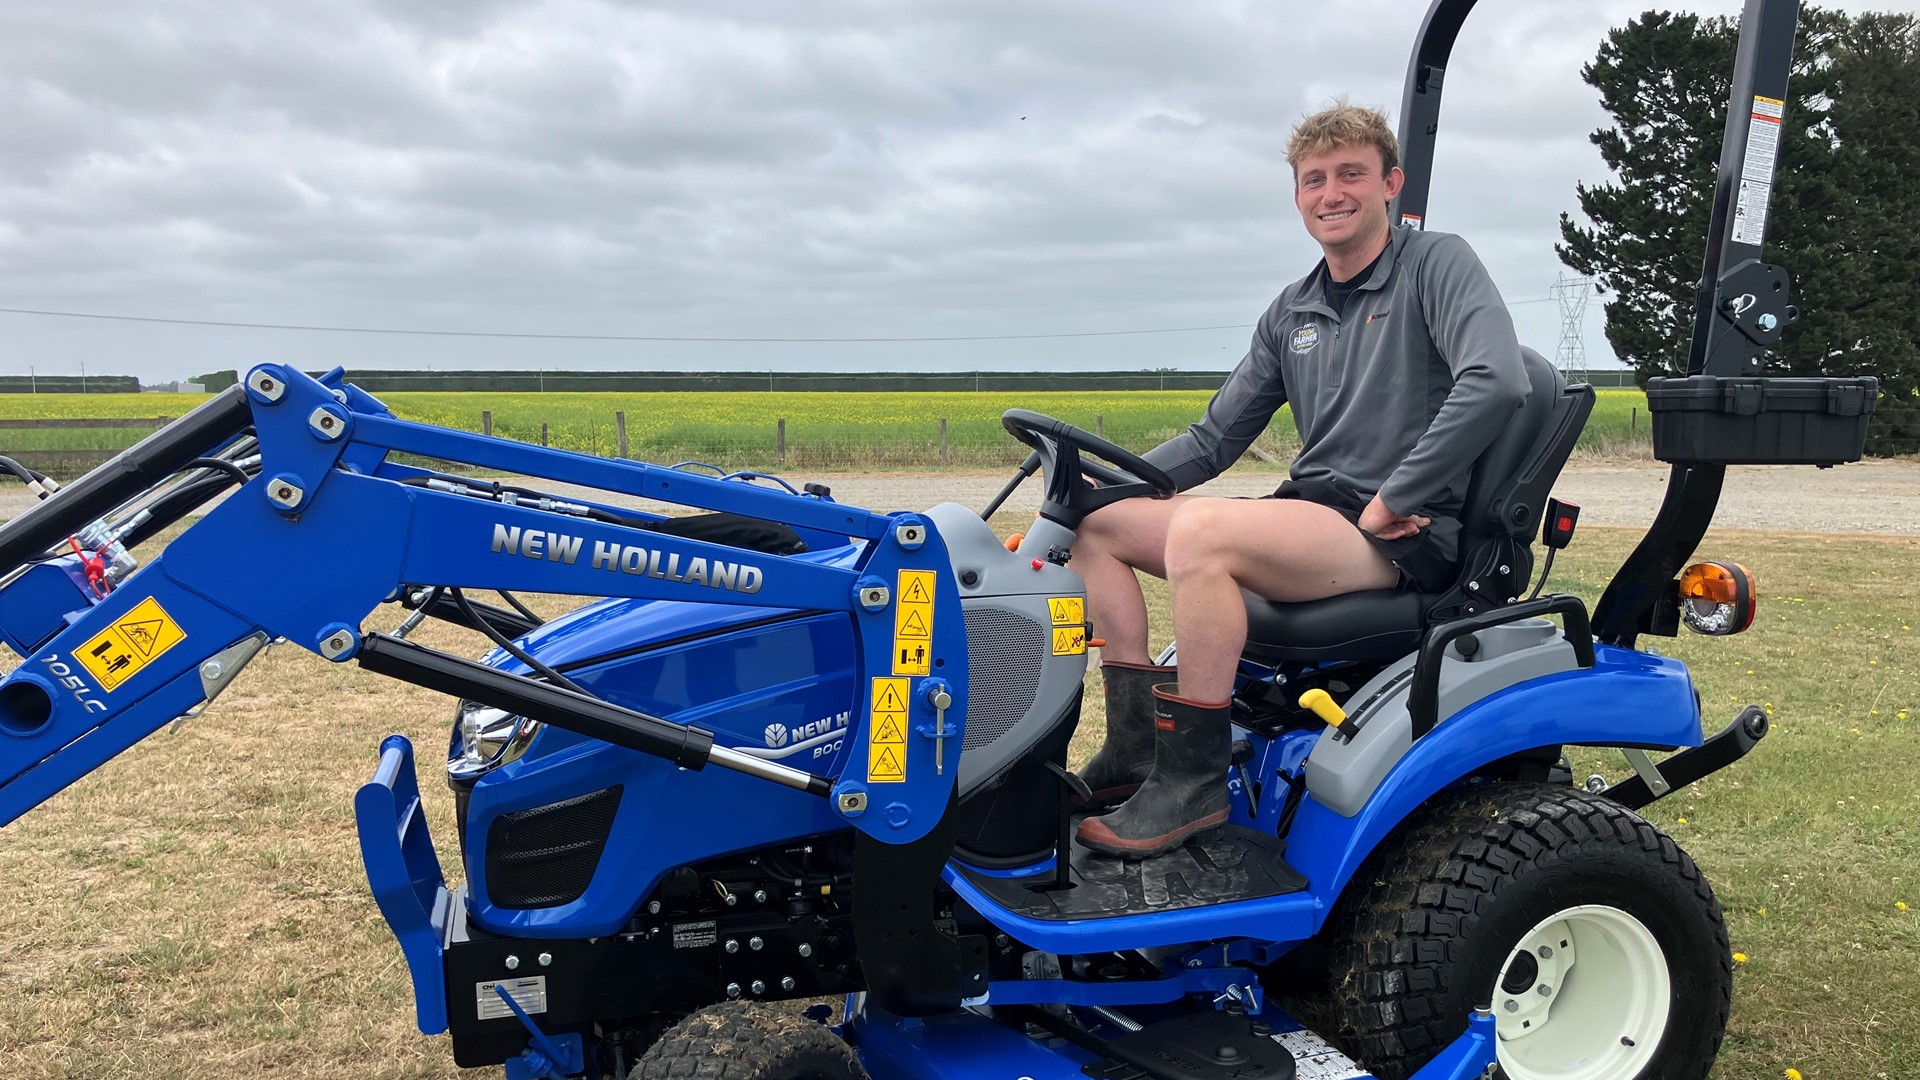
(1396, 395)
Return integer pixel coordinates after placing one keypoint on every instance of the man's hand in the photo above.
(1387, 525)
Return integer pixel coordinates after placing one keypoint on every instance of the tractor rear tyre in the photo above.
(741, 1041)
(1595, 939)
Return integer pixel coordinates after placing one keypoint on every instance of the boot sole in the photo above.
(1094, 834)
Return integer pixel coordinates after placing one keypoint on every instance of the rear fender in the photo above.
(1628, 698)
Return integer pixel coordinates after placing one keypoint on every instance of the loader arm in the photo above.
(329, 528)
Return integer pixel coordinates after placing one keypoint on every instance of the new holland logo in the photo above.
(776, 736)
(1305, 338)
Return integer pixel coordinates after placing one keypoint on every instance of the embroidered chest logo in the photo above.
(1305, 338)
(1377, 316)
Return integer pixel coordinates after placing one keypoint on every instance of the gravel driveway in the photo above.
(1871, 497)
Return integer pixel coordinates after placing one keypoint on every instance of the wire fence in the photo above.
(785, 444)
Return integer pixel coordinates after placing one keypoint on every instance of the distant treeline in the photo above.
(635, 382)
(69, 384)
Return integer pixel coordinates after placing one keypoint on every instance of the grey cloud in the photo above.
(726, 168)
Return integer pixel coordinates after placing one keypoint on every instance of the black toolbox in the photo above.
(1746, 420)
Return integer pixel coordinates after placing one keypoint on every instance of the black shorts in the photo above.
(1428, 561)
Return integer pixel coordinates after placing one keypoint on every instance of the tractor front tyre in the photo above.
(1594, 938)
(741, 1041)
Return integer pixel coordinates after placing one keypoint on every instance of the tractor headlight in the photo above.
(1716, 598)
(485, 738)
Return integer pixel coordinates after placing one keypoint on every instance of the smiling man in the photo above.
(1400, 361)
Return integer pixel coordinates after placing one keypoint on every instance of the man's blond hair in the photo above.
(1340, 125)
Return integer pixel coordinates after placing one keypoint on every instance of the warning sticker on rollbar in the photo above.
(1315, 1060)
(1756, 171)
(530, 994)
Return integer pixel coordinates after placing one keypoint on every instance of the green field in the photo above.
(837, 430)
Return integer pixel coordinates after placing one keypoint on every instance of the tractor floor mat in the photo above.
(1232, 863)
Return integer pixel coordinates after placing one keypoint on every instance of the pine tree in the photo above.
(1843, 211)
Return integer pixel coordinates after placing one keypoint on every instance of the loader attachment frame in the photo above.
(329, 525)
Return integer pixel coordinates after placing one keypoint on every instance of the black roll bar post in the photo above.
(1739, 308)
(1420, 106)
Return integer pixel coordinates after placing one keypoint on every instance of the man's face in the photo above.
(1343, 194)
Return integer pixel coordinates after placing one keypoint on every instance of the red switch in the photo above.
(1561, 518)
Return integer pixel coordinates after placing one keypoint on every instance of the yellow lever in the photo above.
(1320, 704)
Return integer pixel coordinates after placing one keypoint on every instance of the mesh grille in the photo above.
(1004, 654)
(545, 856)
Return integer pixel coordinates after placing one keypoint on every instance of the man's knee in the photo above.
(1199, 538)
(1132, 531)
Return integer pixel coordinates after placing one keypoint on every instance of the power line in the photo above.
(411, 332)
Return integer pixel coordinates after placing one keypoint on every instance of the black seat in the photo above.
(1506, 496)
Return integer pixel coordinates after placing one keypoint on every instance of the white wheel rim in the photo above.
(1584, 996)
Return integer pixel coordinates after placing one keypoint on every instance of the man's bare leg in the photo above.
(1114, 542)
(1285, 549)
(1288, 550)
(1111, 544)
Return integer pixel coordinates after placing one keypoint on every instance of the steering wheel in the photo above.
(1068, 455)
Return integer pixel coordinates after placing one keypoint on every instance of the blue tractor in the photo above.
(806, 752)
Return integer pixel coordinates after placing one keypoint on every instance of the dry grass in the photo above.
(197, 909)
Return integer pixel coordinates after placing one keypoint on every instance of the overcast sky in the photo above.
(726, 168)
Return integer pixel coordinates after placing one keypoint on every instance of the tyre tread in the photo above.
(739, 1040)
(1399, 926)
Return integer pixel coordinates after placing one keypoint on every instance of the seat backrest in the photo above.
(1508, 488)
(1490, 485)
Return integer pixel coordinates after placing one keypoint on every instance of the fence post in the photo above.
(779, 438)
(944, 459)
(1100, 426)
(1633, 422)
(620, 431)
(543, 433)
(486, 422)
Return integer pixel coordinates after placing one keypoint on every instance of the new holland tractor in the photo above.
(804, 751)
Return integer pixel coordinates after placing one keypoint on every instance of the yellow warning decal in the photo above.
(115, 654)
(913, 623)
(916, 587)
(887, 732)
(1069, 640)
(1067, 610)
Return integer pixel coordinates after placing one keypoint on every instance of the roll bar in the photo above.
(1741, 303)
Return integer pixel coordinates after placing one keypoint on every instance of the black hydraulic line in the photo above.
(506, 643)
(443, 607)
(520, 607)
(25, 474)
(220, 465)
(134, 470)
(174, 505)
(687, 747)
